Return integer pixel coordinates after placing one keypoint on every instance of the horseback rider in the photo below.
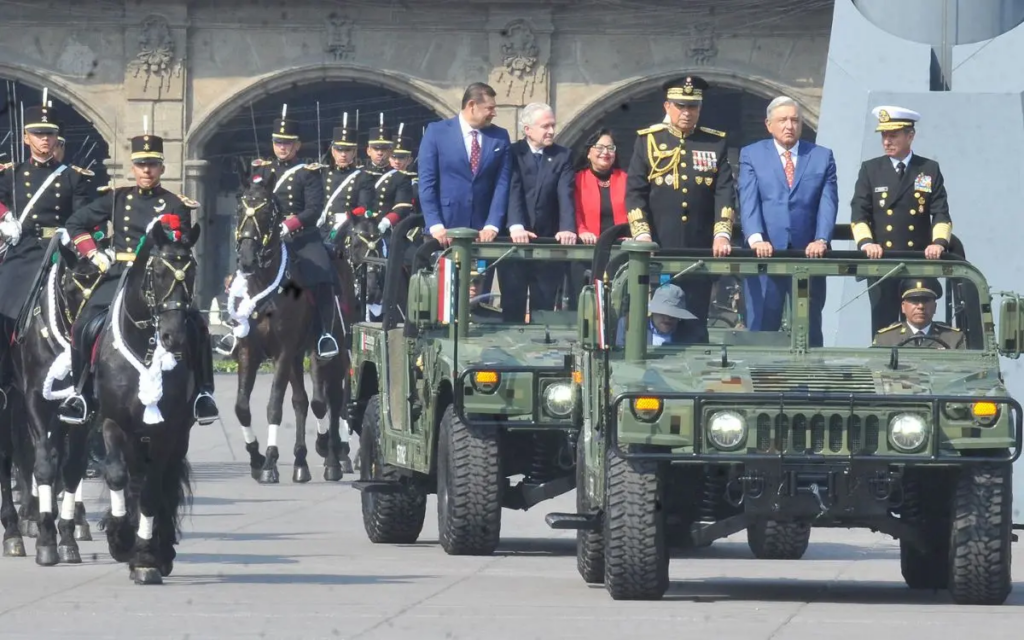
(130, 211)
(392, 188)
(39, 195)
(346, 186)
(299, 192)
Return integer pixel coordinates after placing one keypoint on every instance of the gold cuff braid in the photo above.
(637, 222)
(942, 231)
(861, 231)
(723, 227)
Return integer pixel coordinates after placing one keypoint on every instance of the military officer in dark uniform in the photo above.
(299, 190)
(899, 204)
(392, 189)
(130, 211)
(39, 195)
(346, 186)
(401, 160)
(679, 190)
(919, 301)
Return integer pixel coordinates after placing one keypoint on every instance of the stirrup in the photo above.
(205, 419)
(328, 350)
(74, 410)
(226, 345)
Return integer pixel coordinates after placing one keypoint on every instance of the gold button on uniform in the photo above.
(686, 204)
(888, 227)
(911, 227)
(684, 190)
(684, 218)
(888, 243)
(889, 212)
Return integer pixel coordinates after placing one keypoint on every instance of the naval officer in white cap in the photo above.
(899, 204)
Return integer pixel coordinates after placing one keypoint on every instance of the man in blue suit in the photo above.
(788, 201)
(465, 169)
(541, 204)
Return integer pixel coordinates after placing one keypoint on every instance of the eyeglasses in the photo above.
(600, 148)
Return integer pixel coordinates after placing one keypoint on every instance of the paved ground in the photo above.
(293, 561)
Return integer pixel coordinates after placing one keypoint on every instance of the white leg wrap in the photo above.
(272, 436)
(248, 434)
(146, 527)
(79, 492)
(321, 426)
(45, 498)
(117, 505)
(343, 430)
(67, 506)
(35, 487)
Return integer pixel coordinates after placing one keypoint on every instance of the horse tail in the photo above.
(178, 497)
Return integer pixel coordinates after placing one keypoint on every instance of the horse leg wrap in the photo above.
(249, 435)
(118, 507)
(45, 498)
(67, 506)
(272, 436)
(145, 527)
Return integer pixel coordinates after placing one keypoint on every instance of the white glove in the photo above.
(10, 228)
(384, 225)
(101, 261)
(339, 219)
(284, 230)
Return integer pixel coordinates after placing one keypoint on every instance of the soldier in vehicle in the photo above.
(130, 210)
(392, 188)
(919, 302)
(346, 186)
(670, 320)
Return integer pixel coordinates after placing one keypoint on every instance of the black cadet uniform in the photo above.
(130, 210)
(392, 189)
(680, 187)
(403, 149)
(299, 191)
(345, 188)
(948, 337)
(900, 213)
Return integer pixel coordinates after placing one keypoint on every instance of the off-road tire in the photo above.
(927, 501)
(589, 544)
(770, 540)
(635, 549)
(469, 488)
(388, 518)
(981, 535)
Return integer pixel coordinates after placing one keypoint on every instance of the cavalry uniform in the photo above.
(345, 188)
(902, 332)
(403, 151)
(130, 211)
(679, 188)
(900, 205)
(299, 191)
(392, 189)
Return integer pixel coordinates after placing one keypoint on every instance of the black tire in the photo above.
(981, 535)
(388, 518)
(469, 488)
(589, 544)
(770, 540)
(635, 549)
(926, 505)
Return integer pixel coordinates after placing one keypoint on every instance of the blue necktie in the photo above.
(539, 157)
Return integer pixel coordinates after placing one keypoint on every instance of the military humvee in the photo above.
(454, 401)
(683, 444)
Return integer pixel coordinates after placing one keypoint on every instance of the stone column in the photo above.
(195, 188)
(520, 49)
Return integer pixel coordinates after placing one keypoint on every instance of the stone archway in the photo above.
(60, 93)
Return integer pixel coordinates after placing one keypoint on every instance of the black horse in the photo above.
(277, 319)
(40, 444)
(356, 240)
(144, 361)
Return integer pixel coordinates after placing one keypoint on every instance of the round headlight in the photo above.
(727, 430)
(558, 399)
(908, 432)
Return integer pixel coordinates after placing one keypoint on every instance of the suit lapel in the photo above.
(773, 158)
(460, 144)
(486, 149)
(803, 155)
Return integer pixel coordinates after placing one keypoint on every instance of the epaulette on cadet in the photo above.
(188, 202)
(314, 166)
(260, 162)
(714, 132)
(946, 326)
(84, 172)
(5, 166)
(408, 173)
(651, 129)
(895, 325)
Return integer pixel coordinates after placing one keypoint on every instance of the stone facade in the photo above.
(190, 66)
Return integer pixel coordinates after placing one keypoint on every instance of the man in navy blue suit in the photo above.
(465, 169)
(788, 201)
(540, 205)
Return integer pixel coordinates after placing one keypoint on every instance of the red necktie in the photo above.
(789, 168)
(474, 152)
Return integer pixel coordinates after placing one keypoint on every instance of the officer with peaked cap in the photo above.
(346, 186)
(401, 159)
(899, 204)
(131, 211)
(393, 193)
(299, 190)
(39, 195)
(680, 186)
(918, 300)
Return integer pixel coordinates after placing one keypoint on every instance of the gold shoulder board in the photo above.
(5, 166)
(652, 129)
(714, 132)
(895, 325)
(84, 172)
(313, 166)
(188, 202)
(946, 326)
(103, 188)
(260, 162)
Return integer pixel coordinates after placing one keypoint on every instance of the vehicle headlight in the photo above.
(908, 432)
(956, 411)
(727, 430)
(558, 399)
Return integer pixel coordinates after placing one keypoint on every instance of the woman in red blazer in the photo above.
(600, 188)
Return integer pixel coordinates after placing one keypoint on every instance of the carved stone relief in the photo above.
(76, 60)
(702, 49)
(339, 38)
(522, 74)
(156, 70)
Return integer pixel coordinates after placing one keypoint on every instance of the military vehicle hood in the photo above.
(517, 346)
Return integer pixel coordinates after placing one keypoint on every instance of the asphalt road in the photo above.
(293, 561)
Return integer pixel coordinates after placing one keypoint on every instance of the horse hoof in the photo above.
(255, 472)
(346, 465)
(147, 575)
(83, 533)
(14, 548)
(301, 474)
(269, 476)
(28, 528)
(322, 442)
(166, 568)
(332, 474)
(69, 554)
(47, 556)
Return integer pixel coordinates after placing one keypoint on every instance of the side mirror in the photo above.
(1010, 326)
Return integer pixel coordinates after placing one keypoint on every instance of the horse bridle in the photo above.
(372, 251)
(159, 305)
(260, 235)
(86, 292)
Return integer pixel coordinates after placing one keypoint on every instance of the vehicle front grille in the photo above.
(827, 379)
(805, 433)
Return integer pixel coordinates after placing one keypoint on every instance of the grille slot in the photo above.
(818, 433)
(822, 380)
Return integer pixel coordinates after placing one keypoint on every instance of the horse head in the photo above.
(257, 230)
(168, 277)
(362, 240)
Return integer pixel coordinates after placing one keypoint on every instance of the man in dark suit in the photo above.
(788, 200)
(899, 204)
(540, 205)
(465, 168)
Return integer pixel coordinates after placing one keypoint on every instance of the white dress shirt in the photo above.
(467, 139)
(794, 154)
(914, 330)
(905, 161)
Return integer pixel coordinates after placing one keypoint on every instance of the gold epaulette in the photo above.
(946, 326)
(188, 202)
(895, 325)
(84, 172)
(5, 166)
(409, 173)
(314, 166)
(651, 129)
(714, 132)
(260, 162)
